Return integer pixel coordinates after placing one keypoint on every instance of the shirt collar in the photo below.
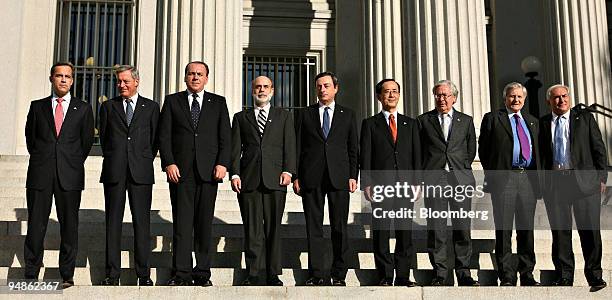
(266, 108)
(133, 98)
(332, 105)
(200, 94)
(450, 113)
(386, 113)
(66, 97)
(566, 115)
(511, 113)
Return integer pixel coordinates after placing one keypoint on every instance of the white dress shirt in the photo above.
(330, 112)
(65, 104)
(132, 104)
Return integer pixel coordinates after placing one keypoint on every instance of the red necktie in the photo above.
(59, 116)
(393, 127)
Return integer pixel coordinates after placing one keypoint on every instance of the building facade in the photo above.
(479, 45)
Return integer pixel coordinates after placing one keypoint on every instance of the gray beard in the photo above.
(261, 103)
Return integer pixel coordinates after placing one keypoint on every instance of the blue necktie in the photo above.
(560, 143)
(326, 122)
(129, 112)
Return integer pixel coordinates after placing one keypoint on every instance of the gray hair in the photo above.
(511, 86)
(448, 83)
(549, 90)
(123, 68)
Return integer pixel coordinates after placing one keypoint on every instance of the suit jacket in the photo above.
(67, 152)
(587, 150)
(133, 147)
(256, 159)
(204, 147)
(339, 153)
(379, 152)
(459, 151)
(496, 144)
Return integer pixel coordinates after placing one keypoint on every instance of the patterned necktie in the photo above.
(559, 155)
(195, 110)
(261, 121)
(523, 139)
(59, 116)
(129, 111)
(393, 127)
(326, 122)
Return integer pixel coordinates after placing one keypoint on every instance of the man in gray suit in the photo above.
(263, 161)
(448, 141)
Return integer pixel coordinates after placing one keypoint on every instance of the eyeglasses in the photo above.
(443, 96)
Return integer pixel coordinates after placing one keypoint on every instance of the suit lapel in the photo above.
(314, 114)
(381, 125)
(574, 117)
(435, 123)
(250, 116)
(138, 109)
(118, 108)
(48, 113)
(184, 104)
(456, 123)
(272, 115)
(72, 110)
(505, 121)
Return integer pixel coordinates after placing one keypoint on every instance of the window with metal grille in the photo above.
(292, 77)
(95, 36)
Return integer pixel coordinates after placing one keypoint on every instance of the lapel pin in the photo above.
(208, 100)
(404, 123)
(269, 121)
(341, 111)
(458, 120)
(75, 108)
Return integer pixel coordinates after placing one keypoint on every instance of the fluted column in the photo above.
(446, 39)
(208, 30)
(582, 55)
(384, 49)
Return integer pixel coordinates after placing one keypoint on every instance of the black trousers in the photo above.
(514, 203)
(193, 207)
(566, 196)
(313, 201)
(262, 213)
(438, 235)
(140, 206)
(39, 207)
(404, 257)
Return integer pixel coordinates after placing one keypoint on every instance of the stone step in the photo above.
(291, 259)
(225, 277)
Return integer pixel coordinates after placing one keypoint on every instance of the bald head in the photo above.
(262, 90)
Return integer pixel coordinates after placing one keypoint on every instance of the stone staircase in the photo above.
(228, 260)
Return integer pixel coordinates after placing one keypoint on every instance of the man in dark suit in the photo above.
(390, 142)
(508, 150)
(263, 161)
(59, 134)
(327, 151)
(195, 140)
(574, 152)
(128, 128)
(448, 140)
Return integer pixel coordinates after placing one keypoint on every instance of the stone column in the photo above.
(207, 30)
(383, 48)
(446, 39)
(582, 55)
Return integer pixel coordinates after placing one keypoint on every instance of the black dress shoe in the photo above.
(386, 282)
(201, 281)
(529, 282)
(251, 280)
(598, 284)
(467, 281)
(110, 281)
(315, 281)
(175, 281)
(66, 283)
(562, 282)
(145, 281)
(274, 281)
(506, 282)
(404, 282)
(438, 281)
(338, 282)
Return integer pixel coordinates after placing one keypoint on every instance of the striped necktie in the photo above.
(261, 121)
